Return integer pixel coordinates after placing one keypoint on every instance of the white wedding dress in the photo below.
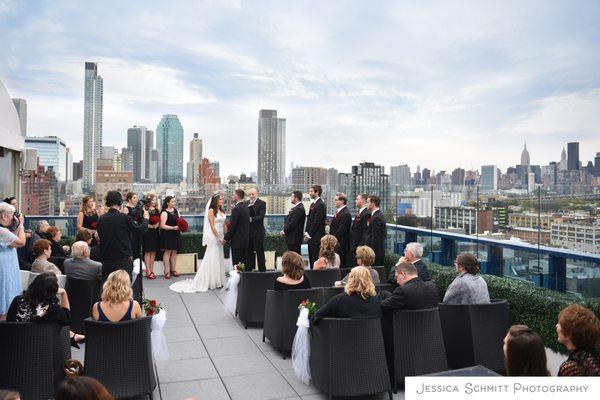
(211, 272)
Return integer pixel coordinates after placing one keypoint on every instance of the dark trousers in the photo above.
(344, 255)
(257, 246)
(239, 256)
(313, 251)
(295, 248)
(113, 265)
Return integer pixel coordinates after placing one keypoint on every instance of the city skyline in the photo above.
(493, 76)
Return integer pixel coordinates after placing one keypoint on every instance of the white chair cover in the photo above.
(160, 351)
(231, 291)
(301, 348)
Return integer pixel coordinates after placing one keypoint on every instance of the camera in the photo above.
(14, 224)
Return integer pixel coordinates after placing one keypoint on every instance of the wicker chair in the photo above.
(33, 357)
(347, 357)
(83, 293)
(330, 292)
(281, 315)
(381, 271)
(119, 355)
(252, 294)
(474, 333)
(415, 344)
(322, 277)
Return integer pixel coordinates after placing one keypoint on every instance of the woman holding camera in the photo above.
(10, 278)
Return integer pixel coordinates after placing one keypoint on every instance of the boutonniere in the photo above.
(368, 220)
(312, 206)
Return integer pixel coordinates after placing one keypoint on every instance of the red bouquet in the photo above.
(182, 224)
(94, 225)
(151, 307)
(154, 219)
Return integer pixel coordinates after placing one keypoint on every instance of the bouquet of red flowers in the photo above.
(151, 307)
(94, 225)
(182, 224)
(154, 219)
(311, 306)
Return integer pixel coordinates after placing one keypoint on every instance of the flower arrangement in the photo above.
(151, 307)
(241, 267)
(94, 225)
(182, 224)
(309, 305)
(154, 219)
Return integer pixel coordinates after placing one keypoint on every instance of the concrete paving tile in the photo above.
(220, 331)
(186, 370)
(212, 389)
(276, 359)
(230, 346)
(186, 350)
(180, 334)
(265, 386)
(243, 364)
(297, 384)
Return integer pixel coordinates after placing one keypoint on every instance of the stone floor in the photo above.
(212, 356)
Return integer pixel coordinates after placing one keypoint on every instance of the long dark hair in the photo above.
(166, 202)
(42, 290)
(525, 353)
(82, 388)
(214, 204)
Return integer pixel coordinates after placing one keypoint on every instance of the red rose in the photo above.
(94, 225)
(182, 224)
(154, 219)
(153, 303)
(149, 313)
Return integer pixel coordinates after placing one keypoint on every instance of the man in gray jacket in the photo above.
(80, 266)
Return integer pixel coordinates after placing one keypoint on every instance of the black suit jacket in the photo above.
(376, 234)
(358, 229)
(413, 295)
(293, 225)
(422, 271)
(340, 228)
(257, 216)
(315, 222)
(115, 230)
(238, 233)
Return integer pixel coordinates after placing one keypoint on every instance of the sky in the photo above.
(432, 83)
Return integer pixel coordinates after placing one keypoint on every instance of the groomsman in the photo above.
(238, 234)
(359, 225)
(258, 209)
(315, 223)
(293, 226)
(340, 227)
(376, 230)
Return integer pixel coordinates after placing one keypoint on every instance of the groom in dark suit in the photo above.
(238, 234)
(293, 225)
(315, 223)
(340, 227)
(256, 245)
(376, 230)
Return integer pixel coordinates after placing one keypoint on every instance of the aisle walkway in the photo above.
(214, 357)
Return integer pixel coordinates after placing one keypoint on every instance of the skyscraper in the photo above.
(138, 148)
(21, 106)
(52, 152)
(525, 156)
(92, 123)
(193, 165)
(169, 143)
(148, 152)
(370, 178)
(573, 156)
(562, 165)
(489, 177)
(271, 148)
(400, 176)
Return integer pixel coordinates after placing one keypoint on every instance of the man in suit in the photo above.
(256, 245)
(340, 227)
(359, 226)
(80, 266)
(315, 223)
(238, 234)
(412, 254)
(376, 232)
(412, 293)
(293, 225)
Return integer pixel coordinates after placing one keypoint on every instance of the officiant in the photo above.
(256, 247)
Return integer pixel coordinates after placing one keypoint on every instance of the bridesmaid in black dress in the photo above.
(152, 236)
(87, 218)
(137, 213)
(169, 236)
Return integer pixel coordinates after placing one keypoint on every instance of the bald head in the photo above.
(253, 194)
(80, 250)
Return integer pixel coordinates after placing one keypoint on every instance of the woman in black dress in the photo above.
(169, 236)
(137, 213)
(87, 218)
(292, 266)
(152, 236)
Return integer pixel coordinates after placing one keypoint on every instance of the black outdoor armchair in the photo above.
(322, 277)
(474, 333)
(281, 315)
(347, 357)
(82, 296)
(119, 355)
(252, 294)
(33, 358)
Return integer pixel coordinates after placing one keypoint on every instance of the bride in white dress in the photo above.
(211, 273)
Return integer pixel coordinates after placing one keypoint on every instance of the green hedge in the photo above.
(192, 243)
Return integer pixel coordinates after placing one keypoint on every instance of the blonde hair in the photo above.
(84, 202)
(366, 255)
(117, 287)
(327, 248)
(360, 281)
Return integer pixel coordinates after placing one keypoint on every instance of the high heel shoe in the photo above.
(174, 273)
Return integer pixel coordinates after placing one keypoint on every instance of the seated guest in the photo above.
(468, 287)
(579, 331)
(524, 353)
(81, 388)
(85, 236)
(327, 255)
(117, 303)
(42, 250)
(412, 293)
(358, 300)
(365, 257)
(412, 254)
(80, 266)
(41, 228)
(292, 266)
(54, 235)
(43, 303)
